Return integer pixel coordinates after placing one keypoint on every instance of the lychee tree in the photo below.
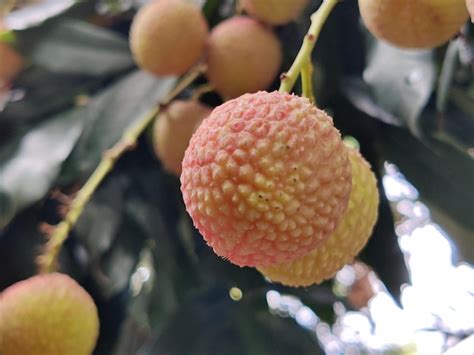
(184, 159)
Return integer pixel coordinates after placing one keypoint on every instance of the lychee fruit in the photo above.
(275, 12)
(243, 56)
(173, 130)
(414, 23)
(47, 315)
(266, 178)
(167, 37)
(11, 62)
(347, 240)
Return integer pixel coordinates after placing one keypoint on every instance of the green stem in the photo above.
(47, 262)
(307, 81)
(318, 19)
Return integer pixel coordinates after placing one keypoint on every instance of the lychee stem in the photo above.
(307, 81)
(47, 262)
(201, 90)
(318, 19)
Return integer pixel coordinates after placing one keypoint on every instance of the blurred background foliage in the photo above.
(159, 288)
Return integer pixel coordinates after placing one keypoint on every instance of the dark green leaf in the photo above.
(31, 170)
(76, 47)
(109, 114)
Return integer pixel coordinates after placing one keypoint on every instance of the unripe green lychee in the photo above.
(47, 315)
(345, 243)
(266, 178)
(275, 12)
(414, 23)
(168, 37)
(173, 130)
(243, 56)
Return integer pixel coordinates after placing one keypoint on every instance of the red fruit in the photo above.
(242, 56)
(266, 178)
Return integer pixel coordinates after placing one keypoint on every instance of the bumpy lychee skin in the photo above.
(266, 178)
(414, 23)
(168, 37)
(243, 56)
(275, 12)
(47, 315)
(173, 130)
(345, 243)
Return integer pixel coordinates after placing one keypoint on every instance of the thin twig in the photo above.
(318, 19)
(47, 262)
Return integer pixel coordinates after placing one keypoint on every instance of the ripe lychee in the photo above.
(47, 315)
(173, 130)
(345, 243)
(414, 23)
(243, 56)
(275, 12)
(266, 178)
(168, 37)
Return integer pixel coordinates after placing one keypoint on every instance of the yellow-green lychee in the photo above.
(275, 12)
(345, 243)
(173, 130)
(243, 56)
(414, 23)
(266, 178)
(48, 314)
(167, 37)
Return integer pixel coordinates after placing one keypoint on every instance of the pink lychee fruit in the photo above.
(173, 130)
(266, 178)
(243, 56)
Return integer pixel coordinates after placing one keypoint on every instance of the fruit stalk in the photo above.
(47, 262)
(318, 19)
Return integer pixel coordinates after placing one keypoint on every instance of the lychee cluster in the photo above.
(414, 23)
(266, 178)
(242, 54)
(47, 314)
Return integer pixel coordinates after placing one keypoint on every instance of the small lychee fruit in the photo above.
(345, 243)
(47, 314)
(243, 56)
(173, 130)
(167, 37)
(275, 12)
(414, 23)
(11, 62)
(266, 178)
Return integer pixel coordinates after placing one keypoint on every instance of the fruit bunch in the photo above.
(242, 55)
(266, 177)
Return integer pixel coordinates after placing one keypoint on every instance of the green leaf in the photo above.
(109, 114)
(76, 47)
(31, 170)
